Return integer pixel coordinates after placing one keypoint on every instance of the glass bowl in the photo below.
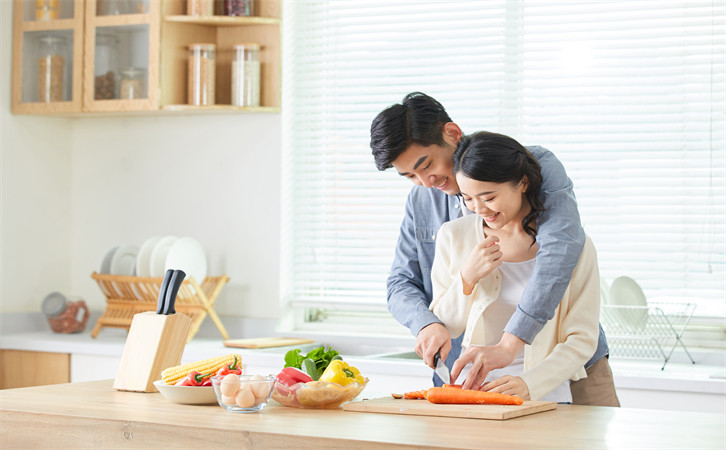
(250, 394)
(316, 394)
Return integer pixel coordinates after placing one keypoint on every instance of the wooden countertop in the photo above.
(93, 414)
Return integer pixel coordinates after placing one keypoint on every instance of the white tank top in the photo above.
(515, 276)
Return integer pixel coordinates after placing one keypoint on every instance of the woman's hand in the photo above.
(484, 258)
(508, 385)
(485, 358)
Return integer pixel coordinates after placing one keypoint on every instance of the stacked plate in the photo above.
(155, 256)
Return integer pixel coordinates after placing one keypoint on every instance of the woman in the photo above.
(483, 262)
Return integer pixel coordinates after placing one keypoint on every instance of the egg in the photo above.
(230, 385)
(228, 400)
(245, 398)
(260, 389)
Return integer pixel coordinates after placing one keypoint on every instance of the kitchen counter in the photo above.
(93, 414)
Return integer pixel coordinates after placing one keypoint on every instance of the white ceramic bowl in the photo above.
(189, 395)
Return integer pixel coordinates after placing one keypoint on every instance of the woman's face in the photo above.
(499, 204)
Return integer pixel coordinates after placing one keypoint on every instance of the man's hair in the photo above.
(418, 119)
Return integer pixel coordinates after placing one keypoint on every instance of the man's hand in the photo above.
(486, 358)
(483, 258)
(508, 385)
(431, 339)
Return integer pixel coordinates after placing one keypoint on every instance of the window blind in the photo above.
(628, 94)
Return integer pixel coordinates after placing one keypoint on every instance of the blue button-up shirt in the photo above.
(560, 238)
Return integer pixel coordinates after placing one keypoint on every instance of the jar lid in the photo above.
(248, 45)
(202, 46)
(54, 304)
(106, 39)
(51, 38)
(133, 71)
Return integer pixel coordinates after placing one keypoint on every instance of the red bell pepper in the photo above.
(194, 378)
(291, 375)
(235, 368)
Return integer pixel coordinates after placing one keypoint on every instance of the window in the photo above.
(628, 94)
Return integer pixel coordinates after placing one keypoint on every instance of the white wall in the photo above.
(35, 185)
(74, 187)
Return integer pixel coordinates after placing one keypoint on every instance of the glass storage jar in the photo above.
(246, 75)
(52, 61)
(105, 70)
(65, 315)
(200, 7)
(47, 9)
(237, 7)
(201, 74)
(133, 83)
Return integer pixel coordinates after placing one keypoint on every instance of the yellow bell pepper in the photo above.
(340, 372)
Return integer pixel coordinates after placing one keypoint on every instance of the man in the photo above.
(418, 139)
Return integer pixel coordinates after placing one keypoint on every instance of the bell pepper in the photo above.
(194, 378)
(290, 376)
(340, 372)
(235, 368)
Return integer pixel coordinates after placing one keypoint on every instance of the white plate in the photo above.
(188, 255)
(143, 259)
(157, 267)
(106, 263)
(124, 260)
(189, 395)
(624, 291)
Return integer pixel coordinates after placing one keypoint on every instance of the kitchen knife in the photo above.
(162, 292)
(176, 280)
(441, 370)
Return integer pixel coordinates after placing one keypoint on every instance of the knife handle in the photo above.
(162, 292)
(176, 280)
(437, 358)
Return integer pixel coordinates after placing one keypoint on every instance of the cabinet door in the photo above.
(47, 56)
(20, 368)
(121, 69)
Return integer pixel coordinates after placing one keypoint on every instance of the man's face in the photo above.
(431, 166)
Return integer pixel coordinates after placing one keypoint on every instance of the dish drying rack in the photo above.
(651, 332)
(128, 295)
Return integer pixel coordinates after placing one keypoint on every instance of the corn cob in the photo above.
(206, 366)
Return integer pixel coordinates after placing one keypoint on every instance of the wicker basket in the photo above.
(127, 296)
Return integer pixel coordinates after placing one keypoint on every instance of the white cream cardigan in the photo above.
(561, 348)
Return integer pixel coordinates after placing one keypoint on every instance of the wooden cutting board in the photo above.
(390, 405)
(266, 342)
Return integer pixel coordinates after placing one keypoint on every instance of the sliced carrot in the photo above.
(415, 395)
(457, 386)
(397, 395)
(468, 396)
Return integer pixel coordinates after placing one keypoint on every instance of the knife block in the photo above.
(154, 342)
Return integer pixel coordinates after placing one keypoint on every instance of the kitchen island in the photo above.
(93, 414)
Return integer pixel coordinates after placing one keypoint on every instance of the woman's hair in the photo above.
(419, 119)
(495, 158)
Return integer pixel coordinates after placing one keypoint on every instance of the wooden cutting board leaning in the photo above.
(390, 405)
(266, 342)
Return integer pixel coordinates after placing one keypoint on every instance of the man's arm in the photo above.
(407, 299)
(560, 238)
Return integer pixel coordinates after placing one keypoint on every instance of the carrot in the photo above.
(396, 395)
(415, 395)
(457, 386)
(468, 396)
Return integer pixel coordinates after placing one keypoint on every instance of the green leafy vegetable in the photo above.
(319, 360)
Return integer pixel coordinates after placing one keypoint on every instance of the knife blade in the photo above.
(441, 370)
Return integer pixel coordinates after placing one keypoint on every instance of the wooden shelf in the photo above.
(223, 21)
(221, 108)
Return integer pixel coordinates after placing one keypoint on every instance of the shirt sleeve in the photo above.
(449, 302)
(407, 299)
(560, 238)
